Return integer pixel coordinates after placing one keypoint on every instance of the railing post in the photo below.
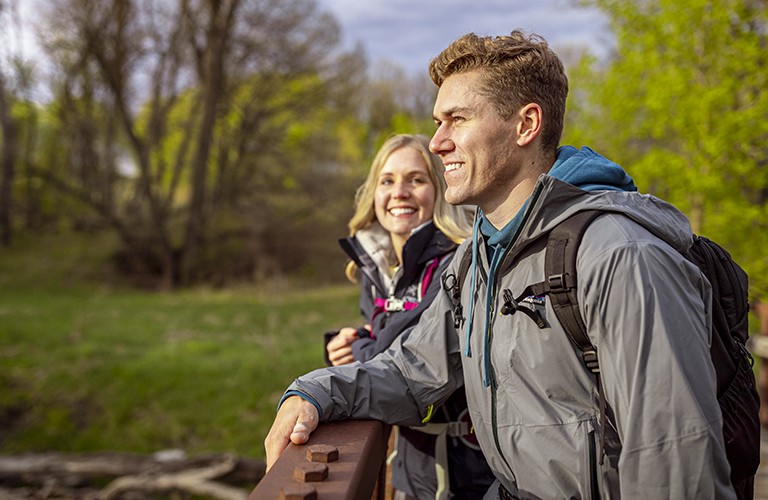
(342, 460)
(759, 347)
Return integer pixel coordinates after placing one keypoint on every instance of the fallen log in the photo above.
(213, 475)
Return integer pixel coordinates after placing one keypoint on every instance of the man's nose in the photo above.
(440, 142)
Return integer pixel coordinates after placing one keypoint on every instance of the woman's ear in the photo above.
(529, 126)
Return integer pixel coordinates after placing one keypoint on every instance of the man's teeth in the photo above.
(452, 166)
(401, 211)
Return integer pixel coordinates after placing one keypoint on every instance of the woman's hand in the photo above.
(340, 347)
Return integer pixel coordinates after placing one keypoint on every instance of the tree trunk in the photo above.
(213, 86)
(8, 166)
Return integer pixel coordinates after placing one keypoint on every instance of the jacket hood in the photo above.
(554, 200)
(582, 168)
(590, 171)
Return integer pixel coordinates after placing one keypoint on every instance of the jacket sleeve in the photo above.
(398, 386)
(396, 324)
(647, 312)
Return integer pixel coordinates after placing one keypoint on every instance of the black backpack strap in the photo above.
(561, 286)
(560, 271)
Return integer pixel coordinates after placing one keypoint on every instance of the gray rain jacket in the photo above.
(647, 311)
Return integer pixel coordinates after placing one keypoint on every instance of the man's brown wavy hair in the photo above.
(516, 70)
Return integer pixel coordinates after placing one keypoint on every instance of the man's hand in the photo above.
(295, 420)
(340, 347)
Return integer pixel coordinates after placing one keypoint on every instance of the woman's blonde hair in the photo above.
(453, 221)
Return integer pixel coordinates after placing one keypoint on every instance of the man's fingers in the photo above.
(295, 420)
(275, 444)
(300, 434)
(305, 424)
(274, 452)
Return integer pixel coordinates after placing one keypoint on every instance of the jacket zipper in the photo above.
(593, 480)
(494, 417)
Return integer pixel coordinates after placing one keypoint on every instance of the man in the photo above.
(499, 115)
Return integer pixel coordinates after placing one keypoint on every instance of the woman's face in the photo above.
(405, 194)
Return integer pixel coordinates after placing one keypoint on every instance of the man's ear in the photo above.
(529, 126)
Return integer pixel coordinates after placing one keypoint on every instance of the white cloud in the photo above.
(410, 33)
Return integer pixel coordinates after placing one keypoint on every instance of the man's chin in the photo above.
(455, 198)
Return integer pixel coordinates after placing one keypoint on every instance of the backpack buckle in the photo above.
(458, 318)
(560, 282)
(590, 359)
(393, 304)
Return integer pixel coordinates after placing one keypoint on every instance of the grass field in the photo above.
(87, 365)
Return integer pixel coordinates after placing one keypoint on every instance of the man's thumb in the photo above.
(305, 424)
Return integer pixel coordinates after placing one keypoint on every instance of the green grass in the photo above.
(87, 365)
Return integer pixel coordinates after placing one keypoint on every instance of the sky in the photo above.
(411, 32)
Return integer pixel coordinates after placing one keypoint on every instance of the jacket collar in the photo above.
(369, 247)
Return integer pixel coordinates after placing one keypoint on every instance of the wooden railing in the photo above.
(342, 460)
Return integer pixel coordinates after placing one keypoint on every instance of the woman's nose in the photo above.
(402, 190)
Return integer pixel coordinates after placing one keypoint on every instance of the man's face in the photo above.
(476, 145)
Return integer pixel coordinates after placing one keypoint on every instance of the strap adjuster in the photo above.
(560, 282)
(590, 359)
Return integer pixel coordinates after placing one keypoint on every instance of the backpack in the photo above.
(736, 388)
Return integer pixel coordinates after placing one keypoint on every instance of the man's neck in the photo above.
(506, 211)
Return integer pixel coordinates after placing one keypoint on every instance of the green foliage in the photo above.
(85, 366)
(682, 106)
(215, 155)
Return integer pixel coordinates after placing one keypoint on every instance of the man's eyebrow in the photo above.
(451, 111)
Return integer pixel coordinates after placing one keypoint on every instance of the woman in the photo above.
(402, 236)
